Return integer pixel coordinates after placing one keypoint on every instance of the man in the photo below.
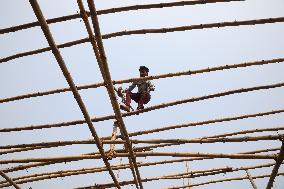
(142, 96)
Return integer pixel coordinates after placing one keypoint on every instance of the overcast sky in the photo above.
(162, 53)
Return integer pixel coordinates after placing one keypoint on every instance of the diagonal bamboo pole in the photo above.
(8, 179)
(111, 93)
(113, 10)
(152, 108)
(276, 167)
(69, 79)
(99, 53)
(161, 30)
(152, 77)
(251, 180)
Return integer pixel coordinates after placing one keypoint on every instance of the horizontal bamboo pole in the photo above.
(244, 132)
(156, 107)
(154, 77)
(143, 154)
(193, 27)
(42, 50)
(210, 140)
(113, 10)
(224, 180)
(161, 30)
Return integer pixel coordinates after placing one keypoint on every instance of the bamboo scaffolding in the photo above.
(71, 83)
(106, 141)
(34, 146)
(251, 180)
(22, 167)
(98, 43)
(112, 10)
(50, 175)
(153, 77)
(8, 179)
(124, 183)
(185, 175)
(161, 30)
(156, 107)
(274, 172)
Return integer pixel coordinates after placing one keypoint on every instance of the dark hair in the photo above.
(144, 68)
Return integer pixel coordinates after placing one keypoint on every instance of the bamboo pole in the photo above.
(274, 172)
(144, 154)
(243, 132)
(27, 166)
(152, 108)
(112, 10)
(225, 180)
(42, 50)
(194, 27)
(211, 140)
(71, 83)
(153, 77)
(8, 179)
(111, 92)
(99, 169)
(163, 30)
(251, 180)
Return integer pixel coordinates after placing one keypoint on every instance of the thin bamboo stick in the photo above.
(9, 180)
(112, 10)
(165, 30)
(274, 172)
(71, 83)
(111, 92)
(153, 77)
(251, 180)
(156, 107)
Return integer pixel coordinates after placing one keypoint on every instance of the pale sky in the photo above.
(162, 53)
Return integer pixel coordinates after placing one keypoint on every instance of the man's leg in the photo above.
(144, 99)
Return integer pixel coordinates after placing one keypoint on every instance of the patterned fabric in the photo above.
(142, 86)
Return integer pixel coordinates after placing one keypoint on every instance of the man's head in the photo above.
(143, 71)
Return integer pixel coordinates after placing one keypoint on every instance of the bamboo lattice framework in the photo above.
(171, 151)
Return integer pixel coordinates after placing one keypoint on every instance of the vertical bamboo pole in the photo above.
(276, 167)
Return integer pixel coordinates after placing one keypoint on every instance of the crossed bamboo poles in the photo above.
(108, 82)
